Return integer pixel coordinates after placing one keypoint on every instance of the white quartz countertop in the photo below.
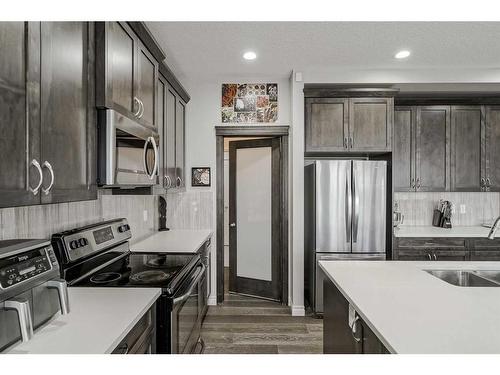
(430, 231)
(172, 241)
(412, 311)
(99, 319)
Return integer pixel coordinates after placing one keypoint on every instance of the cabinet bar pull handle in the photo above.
(488, 182)
(141, 108)
(136, 113)
(418, 183)
(351, 142)
(47, 165)
(353, 329)
(345, 142)
(435, 256)
(35, 190)
(412, 183)
(429, 256)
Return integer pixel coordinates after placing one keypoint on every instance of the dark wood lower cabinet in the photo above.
(338, 336)
(446, 249)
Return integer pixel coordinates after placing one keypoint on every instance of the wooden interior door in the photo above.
(254, 218)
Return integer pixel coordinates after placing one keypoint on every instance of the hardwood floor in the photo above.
(247, 325)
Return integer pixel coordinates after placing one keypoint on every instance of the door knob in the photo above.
(232, 225)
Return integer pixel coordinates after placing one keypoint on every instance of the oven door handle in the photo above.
(186, 295)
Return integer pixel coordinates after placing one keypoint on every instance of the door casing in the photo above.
(251, 131)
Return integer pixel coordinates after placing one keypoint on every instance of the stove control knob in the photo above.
(73, 245)
(123, 228)
(82, 241)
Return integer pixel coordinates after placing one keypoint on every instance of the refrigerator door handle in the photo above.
(355, 208)
(348, 208)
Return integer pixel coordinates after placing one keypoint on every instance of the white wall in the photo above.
(202, 115)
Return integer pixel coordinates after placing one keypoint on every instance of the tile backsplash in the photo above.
(417, 208)
(190, 210)
(42, 221)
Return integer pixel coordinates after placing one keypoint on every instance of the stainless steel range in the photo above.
(30, 289)
(99, 256)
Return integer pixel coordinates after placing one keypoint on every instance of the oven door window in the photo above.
(137, 159)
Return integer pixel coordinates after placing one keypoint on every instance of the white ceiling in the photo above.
(205, 51)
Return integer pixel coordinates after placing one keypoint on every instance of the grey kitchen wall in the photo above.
(418, 207)
(42, 220)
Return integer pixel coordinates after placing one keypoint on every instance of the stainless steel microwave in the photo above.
(128, 152)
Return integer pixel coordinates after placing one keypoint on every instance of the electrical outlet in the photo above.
(463, 209)
(145, 215)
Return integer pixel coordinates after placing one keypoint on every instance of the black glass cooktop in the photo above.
(143, 270)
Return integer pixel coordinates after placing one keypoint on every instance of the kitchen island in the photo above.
(398, 307)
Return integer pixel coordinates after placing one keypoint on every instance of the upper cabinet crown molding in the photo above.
(336, 91)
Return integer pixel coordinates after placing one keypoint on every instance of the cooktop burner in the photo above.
(147, 277)
(157, 262)
(106, 277)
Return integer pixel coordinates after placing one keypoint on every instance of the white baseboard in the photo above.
(298, 310)
(212, 301)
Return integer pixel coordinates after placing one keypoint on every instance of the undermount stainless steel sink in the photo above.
(467, 278)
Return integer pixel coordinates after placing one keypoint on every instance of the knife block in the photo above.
(437, 218)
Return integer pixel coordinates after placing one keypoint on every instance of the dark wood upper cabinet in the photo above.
(48, 124)
(19, 113)
(146, 84)
(169, 139)
(492, 148)
(348, 124)
(118, 67)
(404, 148)
(432, 148)
(126, 73)
(467, 124)
(327, 127)
(370, 124)
(67, 112)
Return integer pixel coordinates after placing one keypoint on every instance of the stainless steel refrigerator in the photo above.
(345, 217)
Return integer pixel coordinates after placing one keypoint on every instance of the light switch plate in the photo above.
(145, 215)
(463, 209)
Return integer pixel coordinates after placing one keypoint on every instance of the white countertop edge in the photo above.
(134, 322)
(358, 310)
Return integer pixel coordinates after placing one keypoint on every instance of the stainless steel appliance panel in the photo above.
(185, 315)
(129, 152)
(369, 189)
(320, 275)
(333, 206)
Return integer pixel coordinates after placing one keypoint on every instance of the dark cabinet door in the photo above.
(147, 74)
(371, 343)
(467, 124)
(370, 124)
(180, 138)
(67, 112)
(326, 125)
(492, 142)
(411, 254)
(432, 148)
(169, 138)
(337, 334)
(19, 114)
(116, 54)
(404, 149)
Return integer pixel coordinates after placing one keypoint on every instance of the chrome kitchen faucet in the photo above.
(494, 228)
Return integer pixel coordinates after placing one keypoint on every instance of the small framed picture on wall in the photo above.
(200, 176)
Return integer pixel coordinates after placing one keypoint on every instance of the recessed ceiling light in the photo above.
(402, 54)
(249, 55)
